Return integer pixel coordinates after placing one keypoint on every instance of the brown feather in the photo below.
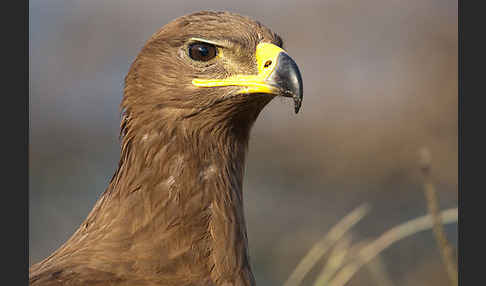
(173, 211)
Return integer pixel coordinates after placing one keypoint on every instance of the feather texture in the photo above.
(173, 211)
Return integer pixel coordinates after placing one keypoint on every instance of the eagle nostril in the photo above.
(267, 64)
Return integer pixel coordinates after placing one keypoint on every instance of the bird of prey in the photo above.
(173, 211)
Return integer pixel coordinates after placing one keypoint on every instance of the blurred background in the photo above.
(380, 82)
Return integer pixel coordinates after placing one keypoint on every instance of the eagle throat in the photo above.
(175, 204)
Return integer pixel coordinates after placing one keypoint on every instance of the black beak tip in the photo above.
(287, 76)
(297, 103)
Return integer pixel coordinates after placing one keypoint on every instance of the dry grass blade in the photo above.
(391, 236)
(335, 261)
(433, 208)
(323, 245)
(343, 253)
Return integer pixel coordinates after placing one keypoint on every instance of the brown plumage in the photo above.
(173, 211)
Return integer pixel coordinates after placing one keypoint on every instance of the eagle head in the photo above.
(210, 70)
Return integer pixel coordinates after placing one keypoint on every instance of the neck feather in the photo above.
(175, 205)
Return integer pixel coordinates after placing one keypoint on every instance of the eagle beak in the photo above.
(287, 79)
(278, 74)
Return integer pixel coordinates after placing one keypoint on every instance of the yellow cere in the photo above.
(266, 55)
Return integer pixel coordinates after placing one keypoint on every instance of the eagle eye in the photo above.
(201, 51)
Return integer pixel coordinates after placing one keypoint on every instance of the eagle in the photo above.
(172, 213)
